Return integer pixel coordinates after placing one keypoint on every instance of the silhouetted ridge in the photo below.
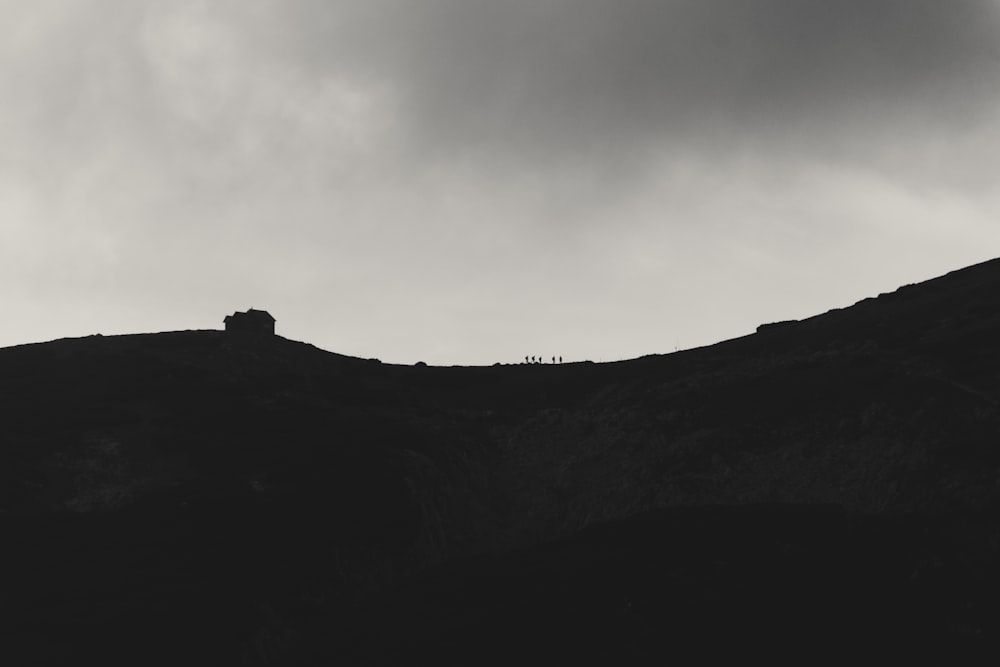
(251, 499)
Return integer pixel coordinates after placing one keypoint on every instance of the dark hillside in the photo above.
(238, 499)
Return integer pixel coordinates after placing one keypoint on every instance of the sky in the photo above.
(473, 181)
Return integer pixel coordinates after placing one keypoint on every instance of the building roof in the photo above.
(251, 314)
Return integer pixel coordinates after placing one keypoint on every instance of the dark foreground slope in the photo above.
(194, 497)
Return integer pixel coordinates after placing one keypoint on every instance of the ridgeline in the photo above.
(202, 497)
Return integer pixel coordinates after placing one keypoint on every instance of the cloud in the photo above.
(557, 81)
(519, 89)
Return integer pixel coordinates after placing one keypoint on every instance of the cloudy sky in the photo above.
(471, 181)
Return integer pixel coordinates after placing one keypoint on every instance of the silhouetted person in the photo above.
(560, 360)
(532, 359)
(553, 360)
(525, 358)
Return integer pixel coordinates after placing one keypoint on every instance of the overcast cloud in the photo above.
(463, 181)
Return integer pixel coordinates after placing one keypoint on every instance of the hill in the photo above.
(236, 499)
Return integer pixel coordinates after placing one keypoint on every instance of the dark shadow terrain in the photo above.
(210, 498)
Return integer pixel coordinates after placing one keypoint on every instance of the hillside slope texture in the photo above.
(201, 497)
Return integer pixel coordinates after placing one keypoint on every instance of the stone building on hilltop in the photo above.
(252, 321)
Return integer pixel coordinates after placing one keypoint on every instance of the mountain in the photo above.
(213, 498)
